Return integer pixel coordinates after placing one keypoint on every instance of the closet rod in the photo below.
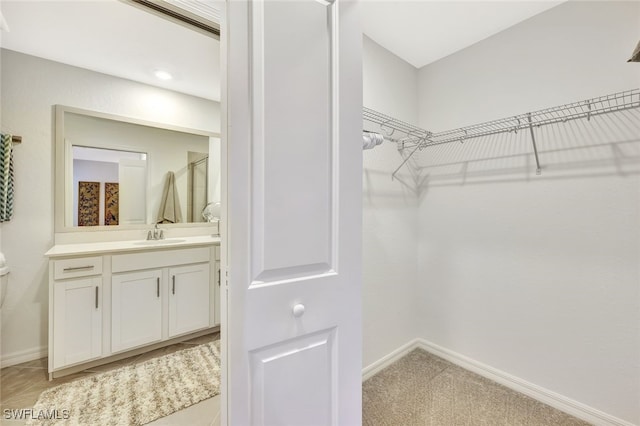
(404, 134)
(407, 136)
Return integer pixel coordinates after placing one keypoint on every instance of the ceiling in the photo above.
(421, 32)
(115, 38)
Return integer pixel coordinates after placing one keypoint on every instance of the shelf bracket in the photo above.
(393, 175)
(535, 148)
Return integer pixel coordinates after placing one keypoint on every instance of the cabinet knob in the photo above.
(298, 310)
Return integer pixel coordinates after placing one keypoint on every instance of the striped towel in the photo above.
(6, 178)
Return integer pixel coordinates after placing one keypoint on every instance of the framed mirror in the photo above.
(115, 172)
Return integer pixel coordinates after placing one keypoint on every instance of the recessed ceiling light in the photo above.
(163, 75)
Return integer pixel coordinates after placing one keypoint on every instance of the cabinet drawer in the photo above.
(159, 259)
(79, 267)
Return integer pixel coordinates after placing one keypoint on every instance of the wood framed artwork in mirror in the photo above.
(111, 203)
(88, 203)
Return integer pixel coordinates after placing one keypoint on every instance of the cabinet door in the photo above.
(136, 309)
(77, 323)
(189, 298)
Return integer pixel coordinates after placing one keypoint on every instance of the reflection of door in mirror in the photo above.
(109, 186)
(132, 176)
(198, 185)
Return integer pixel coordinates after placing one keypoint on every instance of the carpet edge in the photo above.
(546, 396)
(379, 365)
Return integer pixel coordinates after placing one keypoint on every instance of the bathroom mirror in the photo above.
(116, 172)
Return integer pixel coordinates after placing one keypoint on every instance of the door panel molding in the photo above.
(307, 244)
(313, 387)
(292, 274)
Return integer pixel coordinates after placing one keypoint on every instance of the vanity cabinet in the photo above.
(136, 304)
(177, 279)
(188, 298)
(128, 300)
(136, 309)
(77, 305)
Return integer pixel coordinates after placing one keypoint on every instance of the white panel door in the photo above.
(132, 177)
(189, 298)
(136, 309)
(294, 158)
(77, 310)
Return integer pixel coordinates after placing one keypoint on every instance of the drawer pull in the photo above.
(79, 268)
(173, 278)
(96, 297)
(158, 287)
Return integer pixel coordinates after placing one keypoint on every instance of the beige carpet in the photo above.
(422, 389)
(136, 394)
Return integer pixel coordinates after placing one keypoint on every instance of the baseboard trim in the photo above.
(16, 358)
(387, 360)
(561, 402)
(539, 393)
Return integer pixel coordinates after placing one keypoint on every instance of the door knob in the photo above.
(298, 310)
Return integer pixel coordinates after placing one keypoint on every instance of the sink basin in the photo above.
(159, 242)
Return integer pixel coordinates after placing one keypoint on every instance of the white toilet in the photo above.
(4, 278)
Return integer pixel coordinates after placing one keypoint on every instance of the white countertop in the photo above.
(129, 246)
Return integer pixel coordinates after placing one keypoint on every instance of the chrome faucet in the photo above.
(156, 234)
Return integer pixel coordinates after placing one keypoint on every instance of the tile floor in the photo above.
(22, 384)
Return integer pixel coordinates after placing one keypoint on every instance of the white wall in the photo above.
(538, 276)
(389, 211)
(30, 87)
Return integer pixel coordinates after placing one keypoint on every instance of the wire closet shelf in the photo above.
(586, 109)
(558, 114)
(405, 134)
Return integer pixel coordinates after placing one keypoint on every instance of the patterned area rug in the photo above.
(136, 394)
